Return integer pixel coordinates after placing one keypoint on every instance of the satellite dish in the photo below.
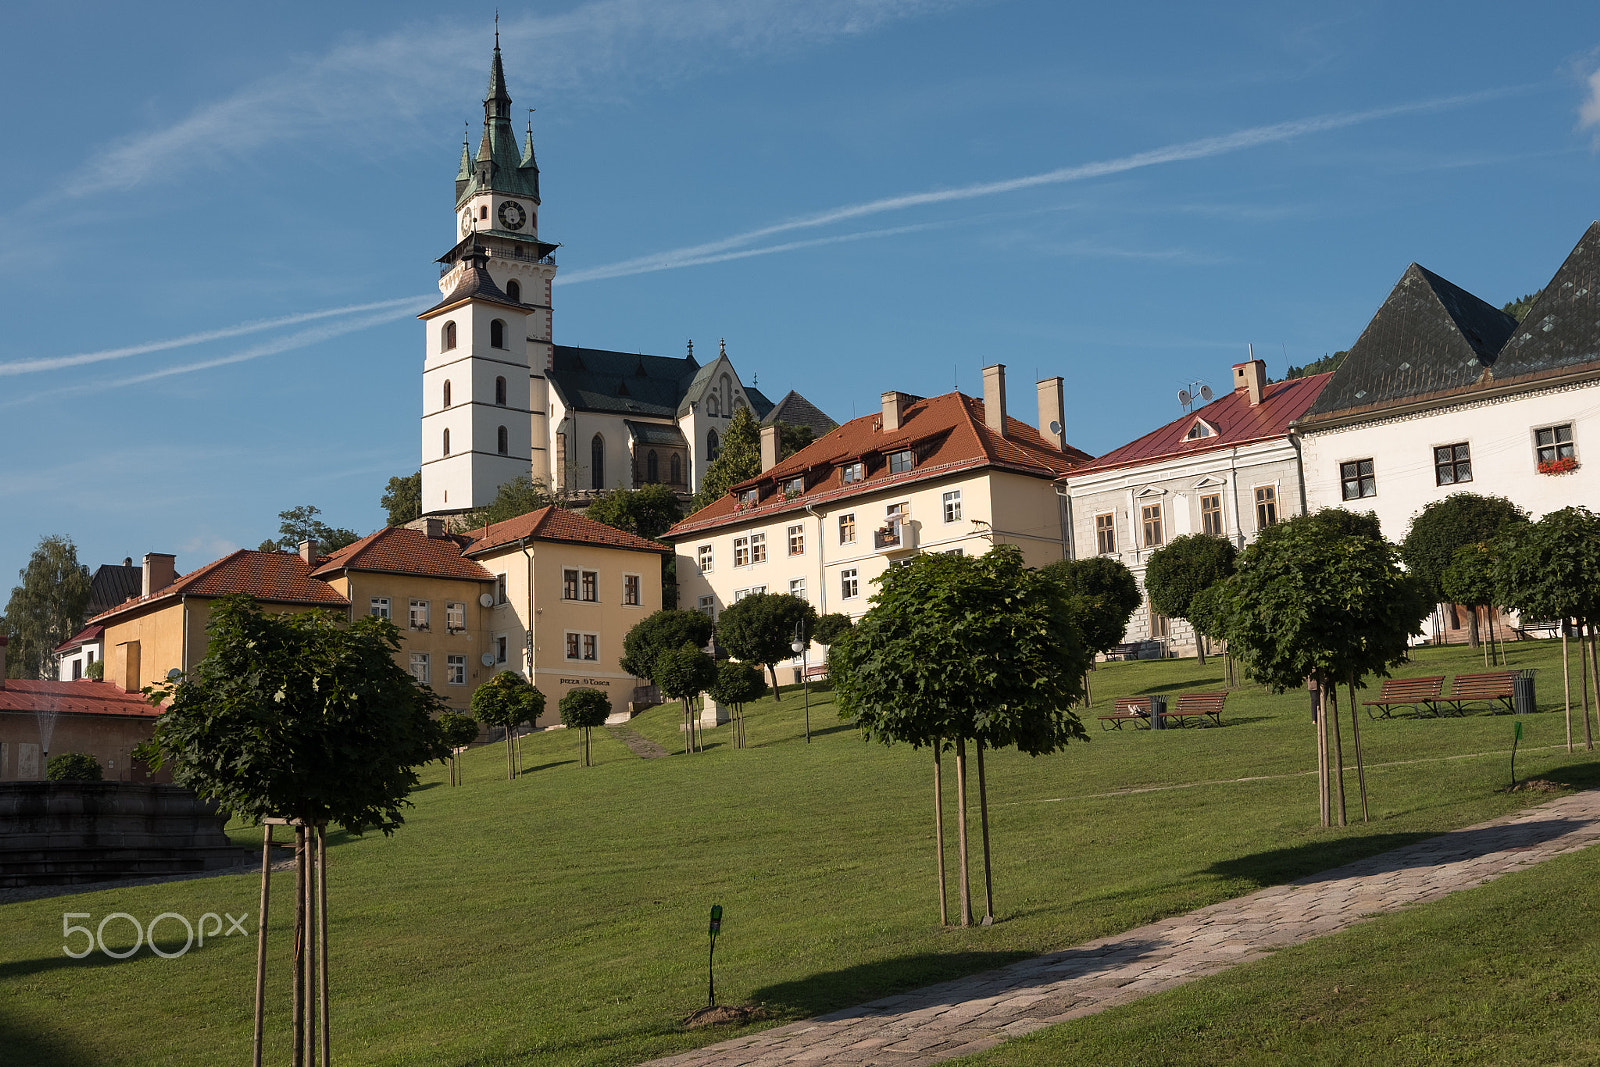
(1184, 398)
(486, 599)
(1205, 393)
(1055, 427)
(487, 659)
(174, 674)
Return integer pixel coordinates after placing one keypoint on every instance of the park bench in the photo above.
(1198, 708)
(1413, 693)
(1490, 687)
(1128, 709)
(1126, 651)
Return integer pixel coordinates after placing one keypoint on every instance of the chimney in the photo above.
(308, 551)
(160, 571)
(431, 526)
(4, 640)
(994, 398)
(127, 561)
(1053, 413)
(1251, 376)
(894, 406)
(769, 447)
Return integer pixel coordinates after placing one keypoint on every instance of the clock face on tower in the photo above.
(512, 216)
(466, 223)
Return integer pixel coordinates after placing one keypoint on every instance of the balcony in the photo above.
(894, 538)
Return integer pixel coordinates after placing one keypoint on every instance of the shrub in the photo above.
(73, 767)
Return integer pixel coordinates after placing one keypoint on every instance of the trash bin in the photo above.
(1158, 708)
(1522, 692)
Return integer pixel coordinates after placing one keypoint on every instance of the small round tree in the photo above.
(666, 630)
(1442, 527)
(830, 628)
(761, 629)
(683, 675)
(1469, 580)
(458, 732)
(73, 767)
(1176, 573)
(737, 683)
(1102, 595)
(508, 700)
(584, 708)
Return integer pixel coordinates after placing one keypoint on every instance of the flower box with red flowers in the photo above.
(1563, 465)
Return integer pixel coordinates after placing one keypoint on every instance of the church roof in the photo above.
(796, 410)
(620, 383)
(655, 433)
(112, 584)
(474, 284)
(500, 165)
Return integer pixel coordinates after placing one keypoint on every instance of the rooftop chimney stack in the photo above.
(1053, 413)
(160, 571)
(769, 447)
(431, 526)
(1251, 376)
(308, 551)
(894, 408)
(994, 398)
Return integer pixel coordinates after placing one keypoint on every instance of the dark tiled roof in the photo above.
(655, 433)
(1231, 419)
(112, 584)
(474, 284)
(557, 524)
(397, 550)
(1562, 328)
(622, 383)
(87, 634)
(78, 697)
(759, 404)
(279, 577)
(947, 433)
(796, 410)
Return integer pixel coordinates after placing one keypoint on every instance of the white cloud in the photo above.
(1589, 111)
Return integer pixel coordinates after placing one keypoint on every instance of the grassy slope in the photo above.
(560, 918)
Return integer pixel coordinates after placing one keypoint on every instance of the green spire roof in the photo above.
(499, 163)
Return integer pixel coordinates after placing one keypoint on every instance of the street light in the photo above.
(801, 645)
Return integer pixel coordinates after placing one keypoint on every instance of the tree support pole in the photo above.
(1338, 746)
(298, 1005)
(261, 935)
(1361, 767)
(1594, 663)
(938, 830)
(1583, 664)
(322, 937)
(1566, 680)
(983, 820)
(1322, 751)
(961, 829)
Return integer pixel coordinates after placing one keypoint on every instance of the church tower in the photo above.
(489, 349)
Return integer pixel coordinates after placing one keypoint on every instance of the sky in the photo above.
(217, 222)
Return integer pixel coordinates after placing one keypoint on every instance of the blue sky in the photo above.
(216, 221)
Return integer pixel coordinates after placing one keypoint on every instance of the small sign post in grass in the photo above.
(1516, 736)
(711, 960)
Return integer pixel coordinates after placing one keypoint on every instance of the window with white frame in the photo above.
(569, 584)
(1105, 533)
(901, 461)
(797, 540)
(704, 554)
(758, 548)
(630, 590)
(583, 647)
(455, 670)
(849, 584)
(1357, 480)
(455, 616)
(419, 666)
(847, 529)
(501, 647)
(590, 588)
(1154, 534)
(419, 614)
(380, 607)
(1211, 514)
(1552, 443)
(1266, 506)
(952, 506)
(708, 606)
(741, 551)
(500, 589)
(797, 587)
(851, 473)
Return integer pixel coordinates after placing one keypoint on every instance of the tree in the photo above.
(1317, 366)
(761, 629)
(666, 630)
(1519, 308)
(458, 732)
(517, 497)
(792, 438)
(1183, 567)
(830, 628)
(300, 524)
(1469, 580)
(1102, 595)
(1316, 601)
(508, 700)
(737, 684)
(683, 674)
(584, 709)
(73, 767)
(739, 458)
(959, 648)
(648, 511)
(1443, 526)
(47, 608)
(402, 499)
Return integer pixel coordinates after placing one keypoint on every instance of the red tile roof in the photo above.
(80, 697)
(396, 550)
(948, 433)
(88, 633)
(1231, 418)
(280, 577)
(557, 524)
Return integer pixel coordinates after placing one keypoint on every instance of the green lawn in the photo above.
(560, 918)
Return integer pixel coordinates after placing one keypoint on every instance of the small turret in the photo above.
(464, 172)
(530, 166)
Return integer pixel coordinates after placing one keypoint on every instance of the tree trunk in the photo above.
(1322, 752)
(1594, 664)
(1472, 629)
(1566, 681)
(1200, 647)
(1361, 767)
(938, 830)
(297, 1023)
(1583, 663)
(961, 829)
(688, 729)
(777, 694)
(1338, 747)
(983, 822)
(1088, 693)
(1486, 644)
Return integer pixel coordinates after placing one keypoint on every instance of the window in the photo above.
(1357, 479)
(483, 211)
(794, 486)
(591, 586)
(705, 559)
(749, 497)
(797, 540)
(630, 589)
(797, 587)
(713, 445)
(1197, 431)
(740, 594)
(1105, 533)
(1266, 506)
(419, 666)
(1452, 464)
(758, 548)
(849, 584)
(677, 470)
(455, 616)
(581, 646)
(514, 291)
(707, 606)
(77, 669)
(447, 392)
(900, 462)
(741, 551)
(1160, 625)
(447, 442)
(1211, 514)
(852, 472)
(380, 607)
(500, 589)
(1153, 536)
(572, 646)
(455, 670)
(713, 408)
(500, 391)
(652, 467)
(954, 552)
(597, 463)
(497, 334)
(500, 648)
(419, 614)
(447, 336)
(952, 506)
(1553, 442)
(847, 529)
(569, 585)
(502, 442)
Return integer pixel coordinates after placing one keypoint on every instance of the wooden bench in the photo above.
(1125, 651)
(1413, 693)
(1128, 709)
(1197, 708)
(1490, 687)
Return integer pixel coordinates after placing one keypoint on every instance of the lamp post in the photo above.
(801, 645)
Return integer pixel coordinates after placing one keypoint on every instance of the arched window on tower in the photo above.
(447, 392)
(652, 468)
(497, 334)
(712, 407)
(713, 446)
(502, 442)
(677, 470)
(500, 391)
(597, 463)
(514, 291)
(447, 442)
(447, 336)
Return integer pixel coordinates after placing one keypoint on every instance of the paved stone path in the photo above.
(978, 1012)
(642, 746)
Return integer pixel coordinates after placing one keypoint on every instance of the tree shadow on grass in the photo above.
(1573, 775)
(548, 766)
(1197, 684)
(23, 1044)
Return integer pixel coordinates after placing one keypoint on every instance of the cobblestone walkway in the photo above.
(978, 1012)
(642, 746)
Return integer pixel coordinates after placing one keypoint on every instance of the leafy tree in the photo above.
(1469, 580)
(47, 608)
(648, 511)
(1443, 526)
(517, 497)
(1102, 595)
(1519, 308)
(761, 629)
(739, 458)
(830, 628)
(737, 684)
(792, 438)
(1317, 366)
(959, 648)
(508, 700)
(73, 767)
(402, 499)
(683, 674)
(584, 709)
(1182, 568)
(458, 732)
(300, 524)
(666, 630)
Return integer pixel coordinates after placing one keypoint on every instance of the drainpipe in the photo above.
(533, 644)
(183, 656)
(822, 568)
(1299, 464)
(1233, 494)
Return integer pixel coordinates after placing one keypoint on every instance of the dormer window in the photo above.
(1200, 429)
(748, 498)
(902, 461)
(852, 472)
(794, 486)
